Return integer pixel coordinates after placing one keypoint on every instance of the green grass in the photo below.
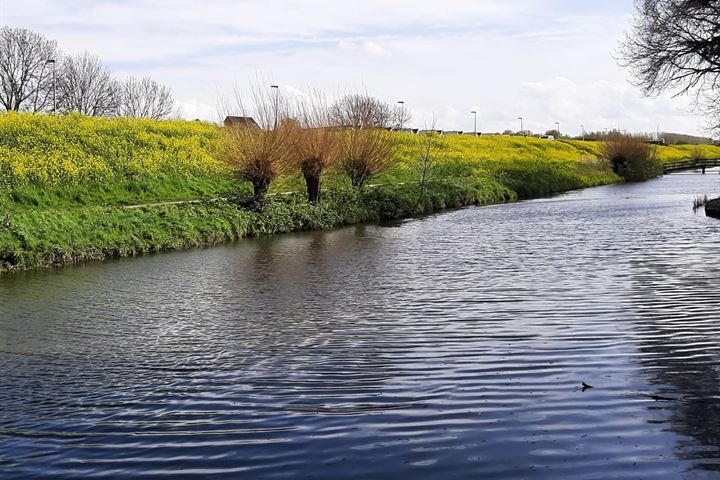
(65, 183)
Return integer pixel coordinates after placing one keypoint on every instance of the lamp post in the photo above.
(474, 112)
(277, 92)
(557, 124)
(522, 130)
(401, 123)
(52, 62)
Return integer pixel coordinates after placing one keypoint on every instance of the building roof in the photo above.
(247, 122)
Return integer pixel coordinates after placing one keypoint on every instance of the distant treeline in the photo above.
(665, 138)
(35, 76)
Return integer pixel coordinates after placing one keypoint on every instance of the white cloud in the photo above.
(195, 109)
(531, 58)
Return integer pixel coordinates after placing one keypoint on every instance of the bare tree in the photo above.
(84, 85)
(674, 45)
(25, 77)
(145, 98)
(317, 142)
(360, 110)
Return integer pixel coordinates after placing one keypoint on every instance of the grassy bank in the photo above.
(65, 183)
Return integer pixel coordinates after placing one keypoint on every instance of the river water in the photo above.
(452, 346)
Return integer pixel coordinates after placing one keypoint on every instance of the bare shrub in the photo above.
(631, 157)
(431, 146)
(697, 154)
(259, 154)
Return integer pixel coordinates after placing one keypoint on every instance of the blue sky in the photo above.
(547, 60)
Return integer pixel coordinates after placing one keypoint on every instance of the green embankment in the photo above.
(66, 182)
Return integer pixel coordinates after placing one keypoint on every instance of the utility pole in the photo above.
(522, 130)
(582, 127)
(474, 112)
(558, 128)
(401, 123)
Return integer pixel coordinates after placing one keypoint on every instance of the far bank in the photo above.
(65, 183)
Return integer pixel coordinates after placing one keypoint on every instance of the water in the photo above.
(447, 347)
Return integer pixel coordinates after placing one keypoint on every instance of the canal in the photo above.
(452, 346)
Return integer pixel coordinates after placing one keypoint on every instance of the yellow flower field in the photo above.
(75, 149)
(46, 150)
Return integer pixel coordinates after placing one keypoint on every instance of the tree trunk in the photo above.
(357, 181)
(260, 189)
(313, 188)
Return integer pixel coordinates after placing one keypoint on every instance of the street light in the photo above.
(52, 62)
(558, 128)
(401, 123)
(474, 112)
(277, 92)
(522, 130)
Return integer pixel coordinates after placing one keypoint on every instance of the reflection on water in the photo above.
(448, 347)
(677, 322)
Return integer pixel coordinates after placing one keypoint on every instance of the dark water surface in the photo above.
(448, 347)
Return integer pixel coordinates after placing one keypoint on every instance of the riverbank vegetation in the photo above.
(75, 188)
(632, 158)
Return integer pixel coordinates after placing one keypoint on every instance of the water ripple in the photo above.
(452, 346)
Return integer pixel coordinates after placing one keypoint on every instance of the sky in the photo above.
(545, 60)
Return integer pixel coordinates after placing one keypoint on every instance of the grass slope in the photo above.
(64, 183)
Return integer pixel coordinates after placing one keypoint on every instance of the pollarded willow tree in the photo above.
(367, 146)
(261, 150)
(317, 142)
(674, 45)
(366, 152)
